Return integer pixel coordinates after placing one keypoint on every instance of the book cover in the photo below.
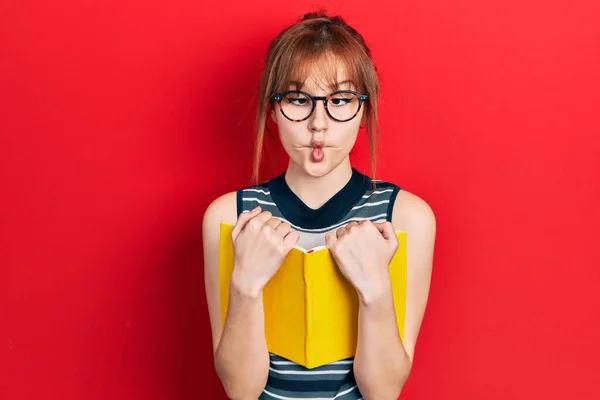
(311, 309)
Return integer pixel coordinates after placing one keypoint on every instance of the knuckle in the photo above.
(267, 227)
(286, 225)
(278, 248)
(254, 223)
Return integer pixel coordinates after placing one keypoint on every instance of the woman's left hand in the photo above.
(363, 252)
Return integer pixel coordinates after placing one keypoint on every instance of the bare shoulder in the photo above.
(221, 209)
(411, 212)
(414, 216)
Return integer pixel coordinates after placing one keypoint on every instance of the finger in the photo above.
(387, 230)
(262, 218)
(273, 223)
(350, 225)
(243, 219)
(340, 232)
(291, 239)
(330, 239)
(257, 220)
(283, 228)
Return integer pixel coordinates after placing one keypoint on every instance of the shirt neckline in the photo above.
(332, 211)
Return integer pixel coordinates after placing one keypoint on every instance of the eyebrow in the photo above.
(336, 86)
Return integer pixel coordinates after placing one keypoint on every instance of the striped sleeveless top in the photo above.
(356, 201)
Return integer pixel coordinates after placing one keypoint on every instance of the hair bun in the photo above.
(320, 14)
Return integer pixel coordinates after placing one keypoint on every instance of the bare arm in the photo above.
(381, 365)
(383, 361)
(241, 357)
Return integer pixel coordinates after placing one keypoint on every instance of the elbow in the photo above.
(387, 385)
(241, 392)
(238, 388)
(404, 373)
(390, 392)
(244, 396)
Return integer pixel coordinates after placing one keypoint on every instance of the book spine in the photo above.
(308, 312)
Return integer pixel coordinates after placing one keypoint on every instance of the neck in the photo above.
(315, 190)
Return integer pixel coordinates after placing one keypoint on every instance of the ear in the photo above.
(273, 116)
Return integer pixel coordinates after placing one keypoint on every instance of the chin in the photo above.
(316, 169)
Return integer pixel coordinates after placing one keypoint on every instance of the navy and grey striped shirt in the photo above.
(356, 201)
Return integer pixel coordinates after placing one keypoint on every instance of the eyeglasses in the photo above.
(341, 106)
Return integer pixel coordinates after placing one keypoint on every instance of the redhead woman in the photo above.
(319, 87)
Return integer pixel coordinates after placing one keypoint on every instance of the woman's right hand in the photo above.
(260, 244)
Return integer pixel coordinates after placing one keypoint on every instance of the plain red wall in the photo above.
(121, 120)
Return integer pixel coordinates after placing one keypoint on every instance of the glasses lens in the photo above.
(296, 105)
(343, 105)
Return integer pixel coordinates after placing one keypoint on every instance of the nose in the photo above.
(318, 121)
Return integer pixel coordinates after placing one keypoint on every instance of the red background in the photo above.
(121, 120)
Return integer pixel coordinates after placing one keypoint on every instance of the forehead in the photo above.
(323, 75)
(316, 83)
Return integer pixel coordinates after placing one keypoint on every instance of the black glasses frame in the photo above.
(361, 98)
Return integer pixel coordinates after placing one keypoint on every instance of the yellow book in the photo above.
(311, 309)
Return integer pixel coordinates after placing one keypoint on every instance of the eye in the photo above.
(342, 99)
(296, 99)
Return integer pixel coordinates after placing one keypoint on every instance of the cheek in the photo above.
(341, 134)
(348, 132)
(349, 139)
(292, 133)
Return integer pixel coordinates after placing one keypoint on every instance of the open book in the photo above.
(311, 309)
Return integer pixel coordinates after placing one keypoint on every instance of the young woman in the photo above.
(319, 85)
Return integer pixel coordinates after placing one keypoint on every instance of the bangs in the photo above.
(323, 65)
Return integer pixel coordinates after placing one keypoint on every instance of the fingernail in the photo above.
(255, 208)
